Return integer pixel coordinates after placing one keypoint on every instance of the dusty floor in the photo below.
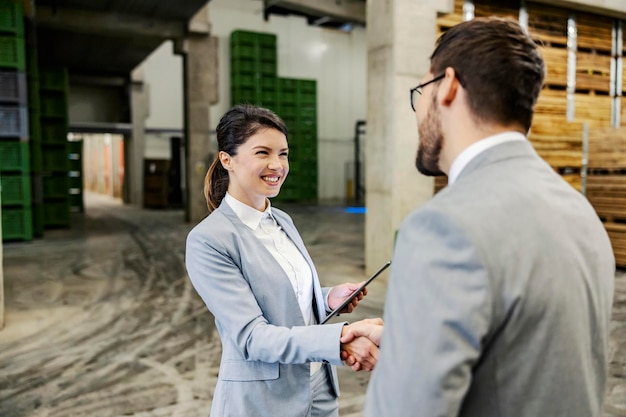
(101, 320)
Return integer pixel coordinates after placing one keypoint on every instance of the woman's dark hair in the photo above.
(233, 130)
(498, 64)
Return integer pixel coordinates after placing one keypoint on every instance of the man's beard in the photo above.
(431, 142)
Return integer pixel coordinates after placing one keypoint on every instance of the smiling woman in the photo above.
(259, 168)
(250, 266)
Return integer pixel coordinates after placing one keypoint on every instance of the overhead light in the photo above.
(321, 21)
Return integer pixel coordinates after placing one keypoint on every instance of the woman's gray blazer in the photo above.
(266, 346)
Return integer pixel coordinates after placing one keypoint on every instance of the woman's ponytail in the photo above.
(215, 184)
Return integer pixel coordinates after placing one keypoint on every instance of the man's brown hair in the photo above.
(498, 64)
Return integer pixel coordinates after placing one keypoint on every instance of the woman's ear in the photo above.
(225, 160)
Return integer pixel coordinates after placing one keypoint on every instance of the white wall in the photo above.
(163, 71)
(337, 60)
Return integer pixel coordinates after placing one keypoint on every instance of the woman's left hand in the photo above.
(340, 292)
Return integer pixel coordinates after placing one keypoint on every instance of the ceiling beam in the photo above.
(108, 24)
(612, 8)
(352, 11)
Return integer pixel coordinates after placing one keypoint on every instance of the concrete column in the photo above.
(134, 150)
(199, 52)
(400, 37)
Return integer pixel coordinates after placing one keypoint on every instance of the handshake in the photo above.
(359, 343)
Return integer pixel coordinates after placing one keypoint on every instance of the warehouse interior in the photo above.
(108, 115)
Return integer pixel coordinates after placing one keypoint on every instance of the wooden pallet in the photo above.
(607, 148)
(607, 194)
(501, 8)
(594, 32)
(558, 142)
(617, 234)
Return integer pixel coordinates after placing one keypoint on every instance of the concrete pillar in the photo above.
(135, 148)
(400, 37)
(199, 52)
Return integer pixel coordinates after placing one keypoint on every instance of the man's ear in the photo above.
(225, 160)
(449, 87)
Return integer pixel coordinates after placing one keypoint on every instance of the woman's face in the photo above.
(259, 168)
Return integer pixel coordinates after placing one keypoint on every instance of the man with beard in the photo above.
(501, 286)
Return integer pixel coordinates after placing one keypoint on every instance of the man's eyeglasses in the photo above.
(418, 89)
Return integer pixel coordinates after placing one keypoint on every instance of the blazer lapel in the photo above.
(318, 298)
(272, 268)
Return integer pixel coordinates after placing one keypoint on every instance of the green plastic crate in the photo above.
(268, 55)
(12, 53)
(53, 79)
(17, 224)
(14, 122)
(286, 98)
(243, 66)
(56, 213)
(307, 86)
(15, 189)
(267, 40)
(287, 85)
(307, 113)
(14, 156)
(11, 17)
(268, 84)
(75, 181)
(55, 159)
(243, 37)
(306, 99)
(55, 186)
(244, 52)
(53, 105)
(245, 81)
(13, 87)
(53, 132)
(288, 112)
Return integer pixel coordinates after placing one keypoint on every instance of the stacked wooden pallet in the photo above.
(606, 184)
(502, 8)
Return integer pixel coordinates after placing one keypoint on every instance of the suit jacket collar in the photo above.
(292, 233)
(503, 151)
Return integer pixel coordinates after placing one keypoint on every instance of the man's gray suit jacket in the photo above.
(499, 298)
(266, 346)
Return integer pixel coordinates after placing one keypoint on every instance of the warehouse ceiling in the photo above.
(336, 14)
(107, 37)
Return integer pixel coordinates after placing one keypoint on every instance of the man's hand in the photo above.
(359, 343)
(370, 328)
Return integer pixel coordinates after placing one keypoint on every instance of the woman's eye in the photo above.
(261, 152)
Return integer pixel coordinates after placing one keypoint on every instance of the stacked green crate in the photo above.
(14, 151)
(34, 126)
(297, 106)
(253, 66)
(53, 87)
(76, 176)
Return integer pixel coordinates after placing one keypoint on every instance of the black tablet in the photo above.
(355, 293)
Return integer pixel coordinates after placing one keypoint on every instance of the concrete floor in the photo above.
(102, 321)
